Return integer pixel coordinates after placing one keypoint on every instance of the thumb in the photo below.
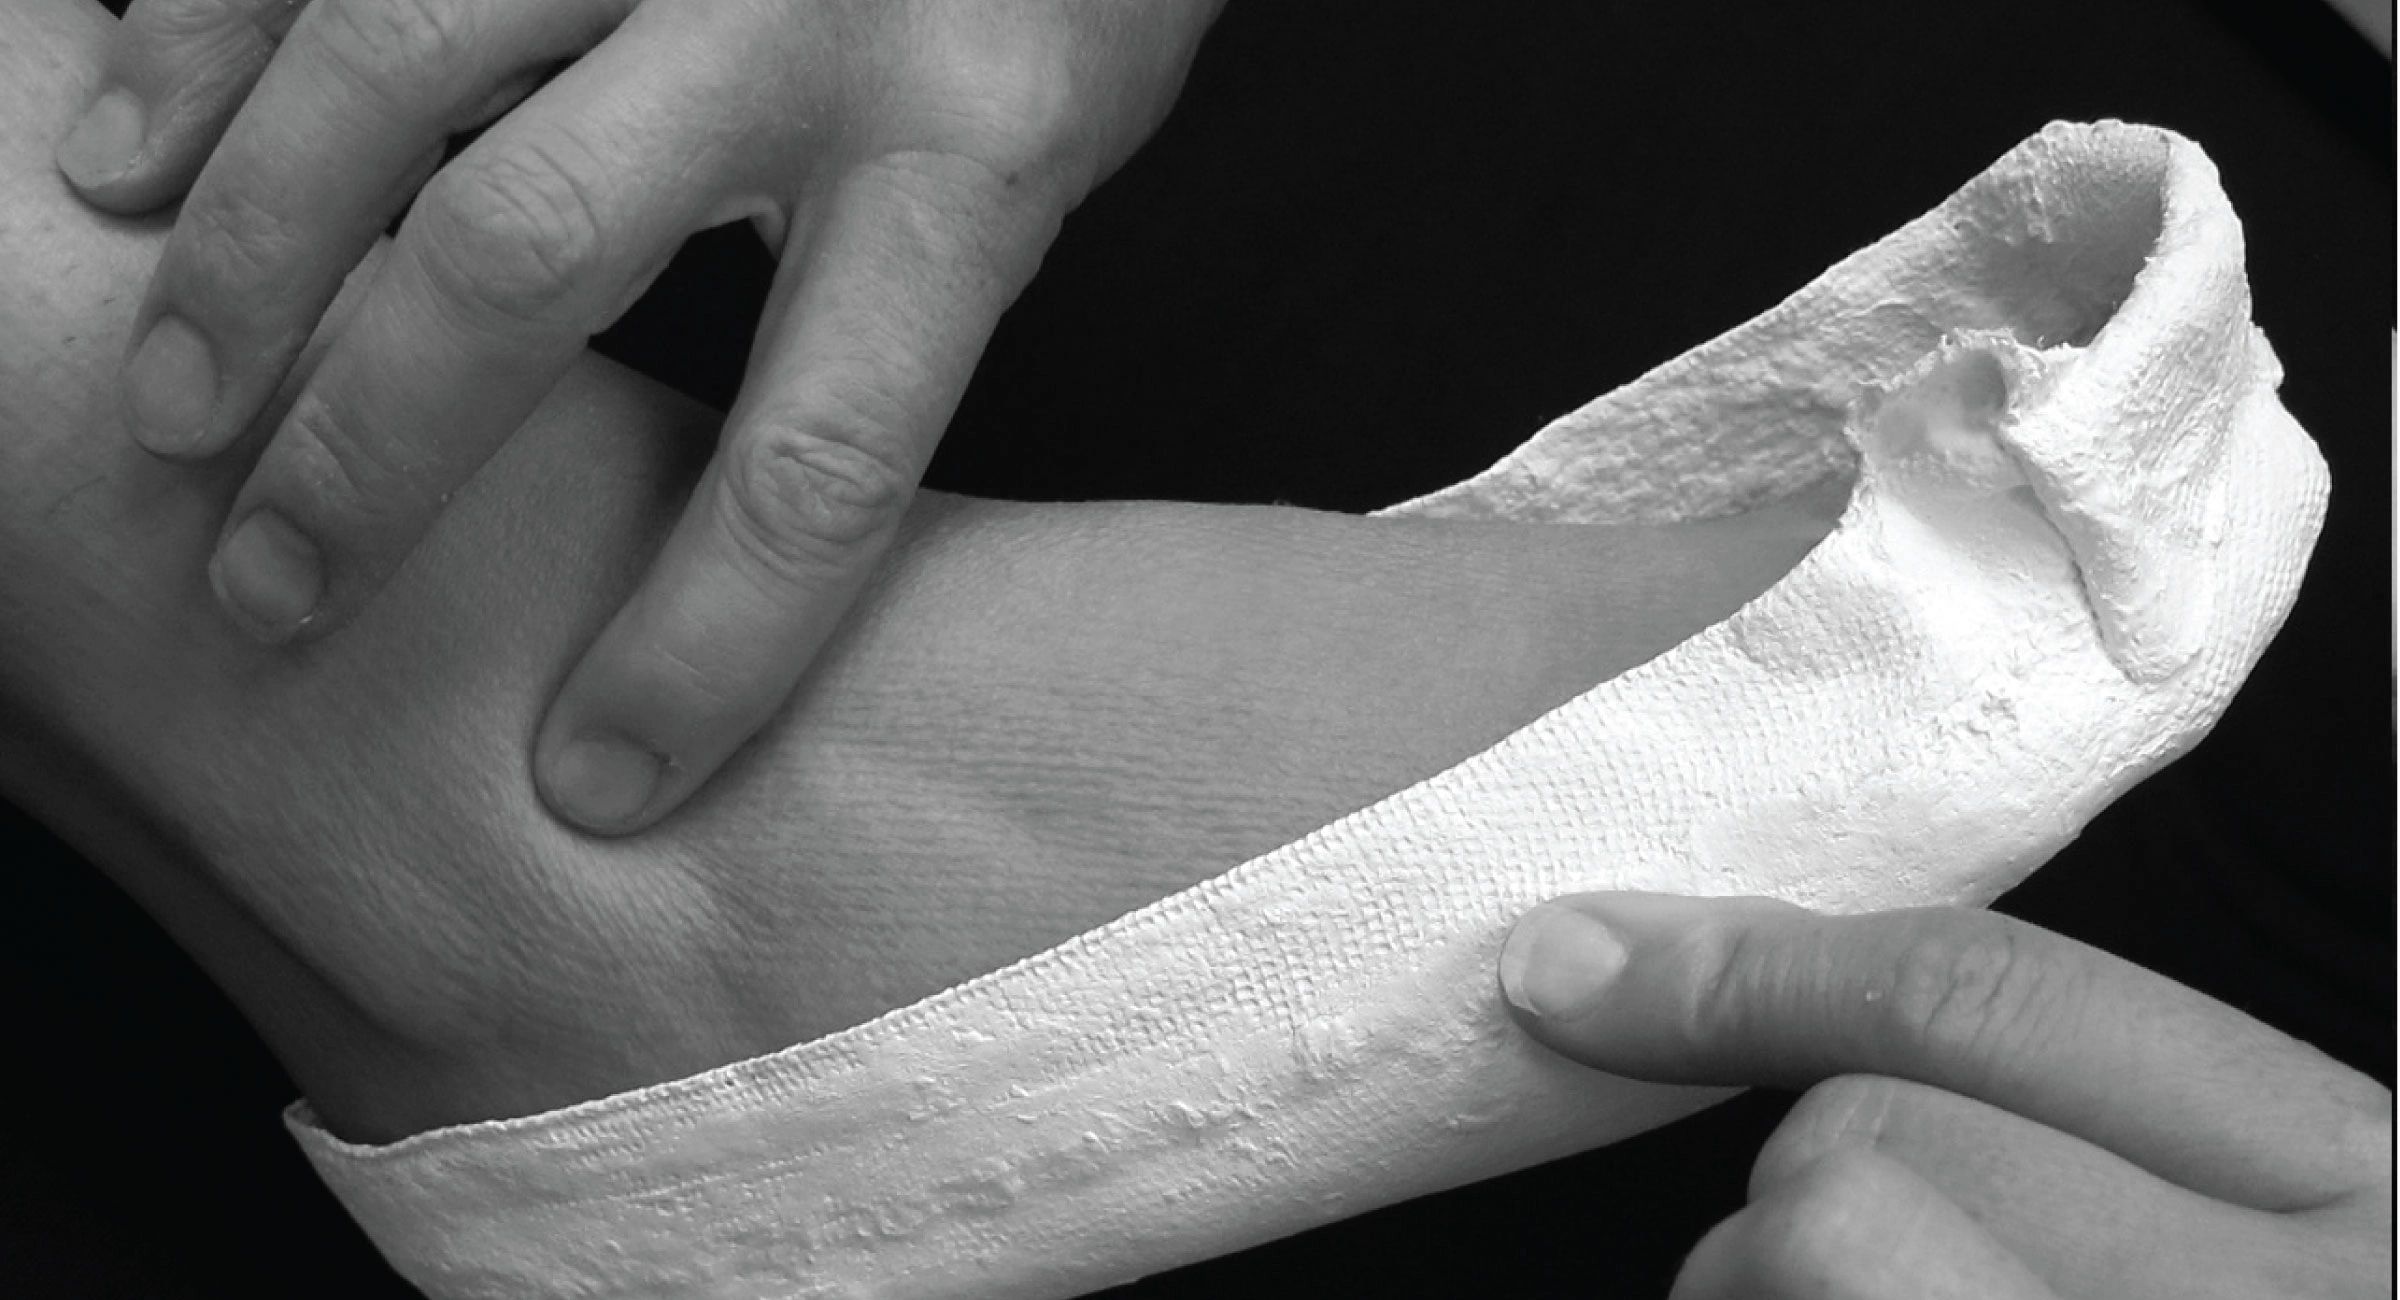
(1749, 991)
(1658, 986)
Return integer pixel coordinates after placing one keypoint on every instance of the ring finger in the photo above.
(1854, 1225)
(351, 114)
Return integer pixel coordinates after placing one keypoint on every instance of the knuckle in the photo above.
(1976, 989)
(516, 232)
(399, 50)
(1731, 965)
(1006, 95)
(804, 499)
(960, 210)
(1025, 121)
(1847, 1110)
(154, 22)
(230, 252)
(341, 474)
(692, 677)
(1828, 1227)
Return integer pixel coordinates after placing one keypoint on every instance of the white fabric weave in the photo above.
(2081, 513)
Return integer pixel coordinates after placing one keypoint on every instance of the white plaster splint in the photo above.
(2081, 513)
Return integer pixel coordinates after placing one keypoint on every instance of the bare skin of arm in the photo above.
(1038, 717)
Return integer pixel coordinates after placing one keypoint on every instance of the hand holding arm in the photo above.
(911, 162)
(1992, 1110)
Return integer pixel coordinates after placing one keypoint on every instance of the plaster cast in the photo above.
(2080, 514)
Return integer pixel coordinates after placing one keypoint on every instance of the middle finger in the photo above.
(346, 120)
(2089, 1221)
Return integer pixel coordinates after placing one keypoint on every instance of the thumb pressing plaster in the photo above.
(2080, 514)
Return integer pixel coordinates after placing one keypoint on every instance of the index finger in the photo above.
(1753, 991)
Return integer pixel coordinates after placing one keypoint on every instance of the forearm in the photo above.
(1035, 719)
(136, 720)
(346, 836)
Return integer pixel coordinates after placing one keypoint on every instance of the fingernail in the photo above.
(1559, 963)
(269, 576)
(105, 139)
(171, 387)
(603, 781)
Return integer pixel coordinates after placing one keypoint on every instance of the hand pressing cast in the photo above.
(1992, 1111)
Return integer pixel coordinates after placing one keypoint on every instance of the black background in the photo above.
(1377, 245)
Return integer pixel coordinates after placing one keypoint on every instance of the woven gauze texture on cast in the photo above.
(2080, 514)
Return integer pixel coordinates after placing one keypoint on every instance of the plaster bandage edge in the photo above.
(1989, 643)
